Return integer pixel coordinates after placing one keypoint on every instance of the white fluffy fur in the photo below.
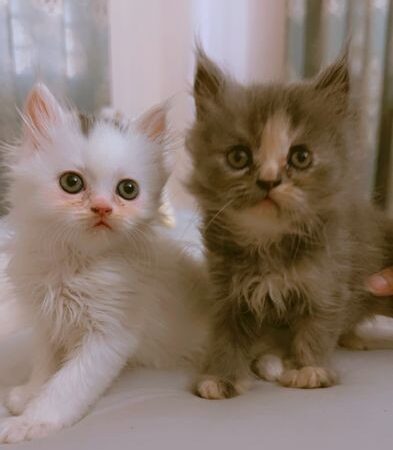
(11, 314)
(97, 297)
(270, 367)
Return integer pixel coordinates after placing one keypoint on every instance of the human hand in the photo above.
(381, 283)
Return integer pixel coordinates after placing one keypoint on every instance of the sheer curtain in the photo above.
(61, 42)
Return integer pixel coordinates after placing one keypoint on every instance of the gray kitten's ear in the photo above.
(209, 81)
(42, 112)
(336, 77)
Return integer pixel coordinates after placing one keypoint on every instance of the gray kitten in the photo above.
(290, 236)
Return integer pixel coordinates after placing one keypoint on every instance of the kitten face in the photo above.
(269, 157)
(88, 183)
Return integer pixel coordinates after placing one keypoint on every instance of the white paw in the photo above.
(269, 367)
(18, 429)
(17, 399)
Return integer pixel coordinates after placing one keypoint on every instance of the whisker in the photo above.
(217, 214)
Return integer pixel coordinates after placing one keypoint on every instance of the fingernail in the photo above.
(378, 283)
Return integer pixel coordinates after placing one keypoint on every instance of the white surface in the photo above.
(148, 409)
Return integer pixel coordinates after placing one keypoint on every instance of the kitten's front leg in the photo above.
(226, 370)
(314, 341)
(68, 394)
(44, 365)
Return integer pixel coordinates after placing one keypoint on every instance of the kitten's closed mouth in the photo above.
(267, 202)
(101, 223)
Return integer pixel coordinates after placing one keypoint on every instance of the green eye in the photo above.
(239, 157)
(71, 182)
(128, 189)
(299, 157)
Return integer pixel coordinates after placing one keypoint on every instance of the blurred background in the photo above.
(132, 54)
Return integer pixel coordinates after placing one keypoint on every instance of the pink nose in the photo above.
(101, 208)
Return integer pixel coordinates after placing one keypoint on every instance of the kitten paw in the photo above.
(215, 388)
(18, 429)
(269, 367)
(17, 399)
(352, 341)
(308, 378)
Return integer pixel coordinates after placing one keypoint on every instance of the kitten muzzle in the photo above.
(101, 223)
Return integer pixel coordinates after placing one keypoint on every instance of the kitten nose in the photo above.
(268, 185)
(101, 207)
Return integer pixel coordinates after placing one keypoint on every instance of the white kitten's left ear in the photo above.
(42, 112)
(153, 123)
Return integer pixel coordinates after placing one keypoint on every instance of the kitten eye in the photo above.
(299, 157)
(71, 182)
(128, 189)
(239, 157)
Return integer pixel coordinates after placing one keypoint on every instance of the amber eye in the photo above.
(128, 189)
(299, 157)
(239, 157)
(71, 182)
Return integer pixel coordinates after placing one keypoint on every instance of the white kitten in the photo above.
(101, 284)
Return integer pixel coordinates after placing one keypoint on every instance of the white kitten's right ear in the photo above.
(153, 123)
(42, 112)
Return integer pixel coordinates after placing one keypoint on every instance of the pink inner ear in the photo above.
(37, 109)
(42, 111)
(153, 123)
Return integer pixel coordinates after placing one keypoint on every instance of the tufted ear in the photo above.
(41, 113)
(335, 78)
(153, 123)
(209, 82)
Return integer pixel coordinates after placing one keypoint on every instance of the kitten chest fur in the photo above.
(63, 288)
(130, 293)
(285, 281)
